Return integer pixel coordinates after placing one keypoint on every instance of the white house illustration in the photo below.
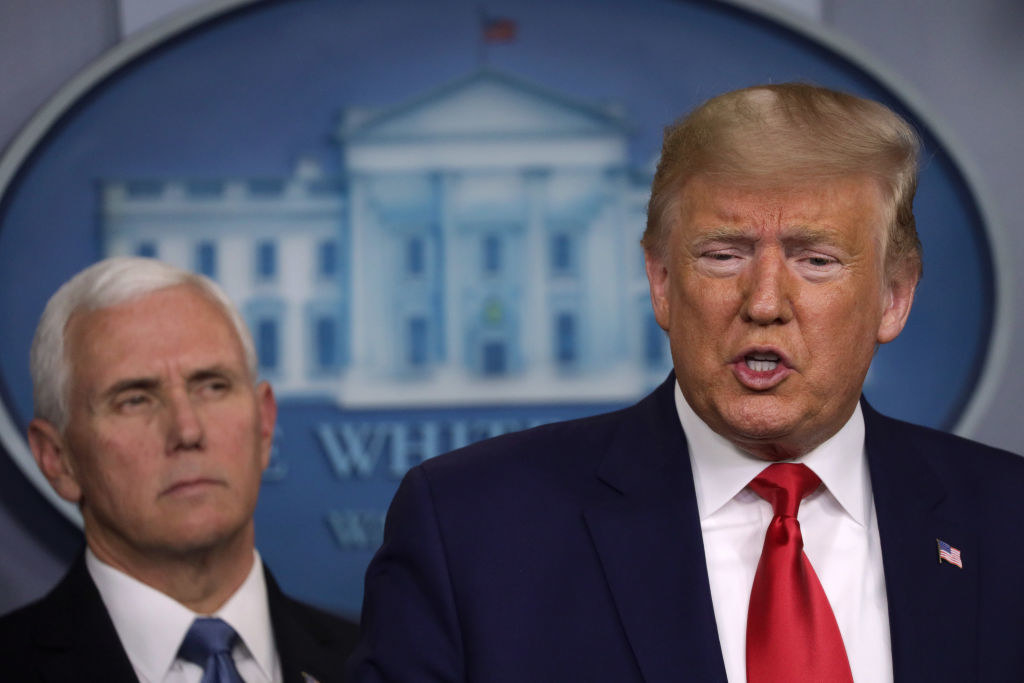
(480, 245)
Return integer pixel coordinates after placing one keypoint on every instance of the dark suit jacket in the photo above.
(68, 636)
(573, 552)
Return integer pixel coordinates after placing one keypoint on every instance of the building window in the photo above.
(565, 338)
(266, 260)
(414, 256)
(267, 344)
(418, 342)
(145, 249)
(327, 258)
(326, 342)
(494, 358)
(492, 254)
(206, 259)
(561, 254)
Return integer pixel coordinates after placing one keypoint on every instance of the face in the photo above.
(167, 437)
(774, 300)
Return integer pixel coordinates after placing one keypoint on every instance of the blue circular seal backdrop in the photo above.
(429, 214)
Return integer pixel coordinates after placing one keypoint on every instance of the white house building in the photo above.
(480, 245)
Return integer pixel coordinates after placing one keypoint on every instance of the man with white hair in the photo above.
(150, 417)
(668, 541)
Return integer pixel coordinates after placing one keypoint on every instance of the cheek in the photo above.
(234, 429)
(109, 480)
(844, 334)
(704, 299)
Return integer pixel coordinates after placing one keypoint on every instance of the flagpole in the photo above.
(481, 54)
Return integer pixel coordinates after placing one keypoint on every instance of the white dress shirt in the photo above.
(840, 535)
(151, 626)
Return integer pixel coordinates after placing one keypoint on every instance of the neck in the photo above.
(201, 579)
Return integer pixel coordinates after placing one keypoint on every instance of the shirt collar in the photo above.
(152, 625)
(248, 612)
(721, 470)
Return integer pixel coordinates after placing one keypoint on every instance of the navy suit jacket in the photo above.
(67, 636)
(573, 552)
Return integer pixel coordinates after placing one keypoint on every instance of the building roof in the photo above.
(486, 104)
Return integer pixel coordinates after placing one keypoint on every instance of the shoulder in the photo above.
(297, 624)
(17, 626)
(326, 625)
(18, 631)
(557, 447)
(537, 473)
(310, 641)
(72, 590)
(963, 463)
(71, 614)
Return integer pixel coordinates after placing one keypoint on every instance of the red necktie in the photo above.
(792, 635)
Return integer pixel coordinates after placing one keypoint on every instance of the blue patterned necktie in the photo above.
(208, 643)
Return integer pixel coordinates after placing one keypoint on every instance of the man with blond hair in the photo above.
(149, 415)
(753, 519)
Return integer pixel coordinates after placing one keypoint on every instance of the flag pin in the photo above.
(949, 554)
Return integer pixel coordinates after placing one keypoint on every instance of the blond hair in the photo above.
(790, 133)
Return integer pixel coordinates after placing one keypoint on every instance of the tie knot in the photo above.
(207, 637)
(784, 485)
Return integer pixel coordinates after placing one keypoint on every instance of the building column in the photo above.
(447, 258)
(535, 323)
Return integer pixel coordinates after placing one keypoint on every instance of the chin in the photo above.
(198, 536)
(759, 419)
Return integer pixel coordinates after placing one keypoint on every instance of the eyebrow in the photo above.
(151, 383)
(800, 234)
(804, 235)
(212, 372)
(130, 384)
(725, 234)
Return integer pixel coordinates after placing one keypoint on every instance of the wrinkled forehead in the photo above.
(839, 210)
(736, 198)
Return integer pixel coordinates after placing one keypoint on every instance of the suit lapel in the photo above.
(75, 638)
(932, 606)
(646, 531)
(307, 652)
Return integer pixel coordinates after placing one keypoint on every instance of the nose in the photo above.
(767, 295)
(186, 426)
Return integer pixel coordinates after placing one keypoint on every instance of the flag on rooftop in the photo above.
(498, 29)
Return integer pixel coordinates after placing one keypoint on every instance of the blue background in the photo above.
(247, 94)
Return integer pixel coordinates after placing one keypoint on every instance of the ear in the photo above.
(54, 459)
(657, 278)
(899, 297)
(267, 406)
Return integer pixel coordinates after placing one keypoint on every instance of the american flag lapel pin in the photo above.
(949, 554)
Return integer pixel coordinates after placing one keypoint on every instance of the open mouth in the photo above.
(761, 369)
(761, 362)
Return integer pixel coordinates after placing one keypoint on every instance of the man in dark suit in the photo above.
(150, 417)
(753, 518)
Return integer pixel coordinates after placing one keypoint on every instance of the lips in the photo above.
(761, 368)
(189, 486)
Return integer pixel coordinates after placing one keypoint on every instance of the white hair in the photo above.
(102, 285)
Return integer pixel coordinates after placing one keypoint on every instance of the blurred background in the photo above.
(122, 128)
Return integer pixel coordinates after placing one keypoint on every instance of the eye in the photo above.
(721, 261)
(818, 267)
(214, 387)
(132, 401)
